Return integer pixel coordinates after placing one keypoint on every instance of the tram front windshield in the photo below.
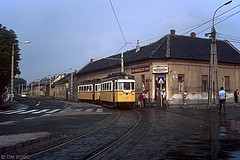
(120, 86)
(128, 86)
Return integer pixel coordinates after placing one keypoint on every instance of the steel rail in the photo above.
(78, 136)
(110, 144)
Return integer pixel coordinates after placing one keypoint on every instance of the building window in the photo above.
(205, 83)
(181, 82)
(226, 83)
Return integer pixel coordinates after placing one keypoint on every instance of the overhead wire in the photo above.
(118, 22)
(220, 21)
(211, 20)
(230, 38)
(200, 25)
(195, 26)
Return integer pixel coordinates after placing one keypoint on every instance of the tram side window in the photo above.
(116, 86)
(102, 87)
(133, 86)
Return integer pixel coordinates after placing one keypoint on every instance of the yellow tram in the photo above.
(114, 91)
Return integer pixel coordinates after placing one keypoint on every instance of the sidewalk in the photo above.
(191, 106)
(8, 104)
(13, 142)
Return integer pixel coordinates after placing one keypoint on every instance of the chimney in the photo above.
(193, 35)
(137, 47)
(91, 60)
(172, 32)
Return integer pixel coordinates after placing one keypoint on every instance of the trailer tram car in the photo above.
(114, 91)
(89, 91)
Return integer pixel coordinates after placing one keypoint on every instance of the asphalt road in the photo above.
(26, 108)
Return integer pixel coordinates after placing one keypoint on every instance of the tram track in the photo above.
(130, 143)
(97, 140)
(115, 141)
(74, 137)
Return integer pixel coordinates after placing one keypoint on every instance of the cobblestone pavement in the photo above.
(169, 129)
(83, 146)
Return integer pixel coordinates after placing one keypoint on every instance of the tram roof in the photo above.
(170, 47)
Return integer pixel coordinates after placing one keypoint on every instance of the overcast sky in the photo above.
(68, 33)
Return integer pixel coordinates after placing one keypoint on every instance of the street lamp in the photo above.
(39, 86)
(213, 70)
(12, 67)
(50, 85)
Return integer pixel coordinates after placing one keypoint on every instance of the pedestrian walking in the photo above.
(222, 101)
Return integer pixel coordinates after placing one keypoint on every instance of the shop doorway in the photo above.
(160, 88)
(160, 81)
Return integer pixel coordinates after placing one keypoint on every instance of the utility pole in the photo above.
(71, 81)
(122, 64)
(213, 76)
(50, 86)
(213, 66)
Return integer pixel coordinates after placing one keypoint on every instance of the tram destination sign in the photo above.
(161, 69)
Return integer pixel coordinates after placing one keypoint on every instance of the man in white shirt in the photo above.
(222, 100)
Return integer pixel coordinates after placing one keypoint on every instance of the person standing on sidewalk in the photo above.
(222, 100)
(185, 98)
(144, 99)
(236, 93)
(157, 95)
(141, 99)
(147, 103)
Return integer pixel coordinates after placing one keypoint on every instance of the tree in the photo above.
(7, 39)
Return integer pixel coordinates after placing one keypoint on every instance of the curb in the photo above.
(14, 148)
(8, 104)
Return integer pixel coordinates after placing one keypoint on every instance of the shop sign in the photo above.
(141, 69)
(161, 69)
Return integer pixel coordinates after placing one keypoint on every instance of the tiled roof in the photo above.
(170, 47)
(63, 80)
